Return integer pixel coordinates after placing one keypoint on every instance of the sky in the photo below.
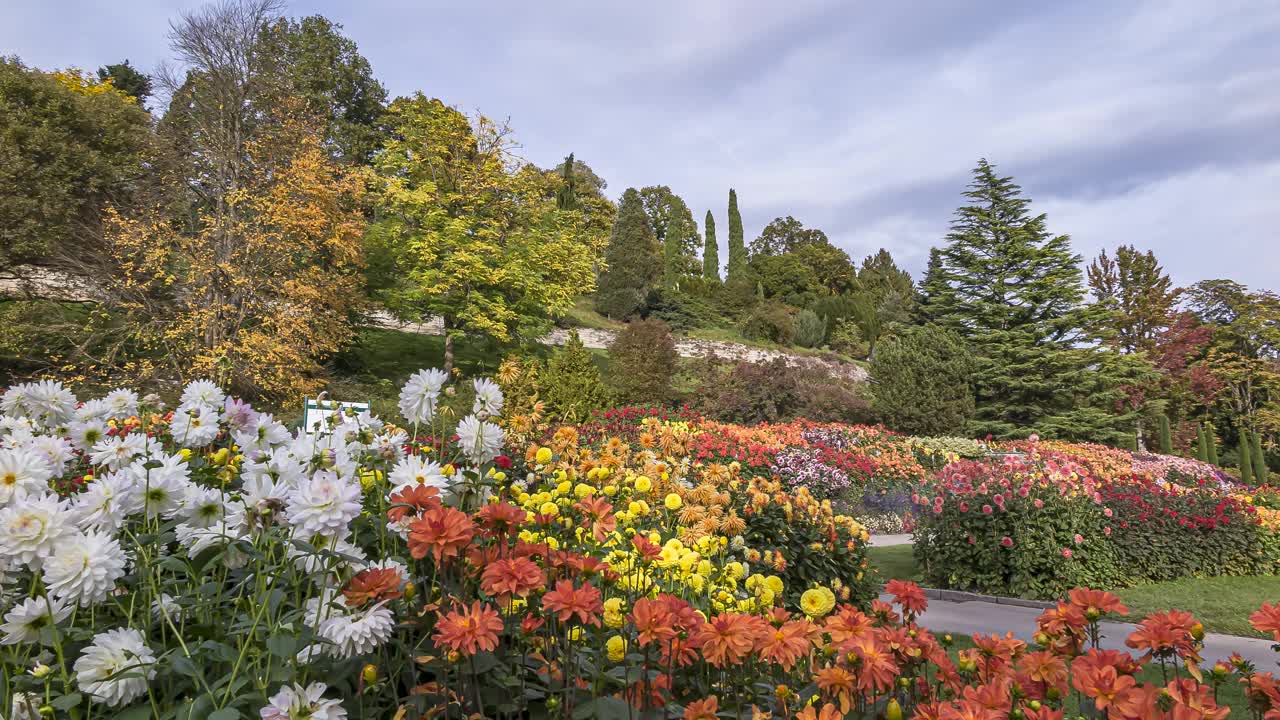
(1146, 123)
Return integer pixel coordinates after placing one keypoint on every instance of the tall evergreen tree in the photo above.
(1165, 436)
(662, 206)
(672, 267)
(1212, 442)
(737, 246)
(710, 250)
(1014, 290)
(1138, 296)
(1202, 444)
(567, 195)
(1260, 471)
(633, 261)
(932, 287)
(1246, 457)
(128, 80)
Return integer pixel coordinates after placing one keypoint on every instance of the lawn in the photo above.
(1223, 604)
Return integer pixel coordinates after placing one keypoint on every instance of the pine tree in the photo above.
(1166, 440)
(1246, 458)
(920, 381)
(1260, 471)
(1014, 291)
(933, 286)
(671, 260)
(1137, 294)
(1202, 444)
(711, 250)
(567, 195)
(571, 386)
(737, 246)
(633, 261)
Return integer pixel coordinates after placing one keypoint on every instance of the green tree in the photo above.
(642, 362)
(1244, 353)
(1246, 457)
(1014, 290)
(1213, 445)
(1166, 439)
(570, 386)
(68, 146)
(933, 287)
(673, 267)
(809, 329)
(737, 249)
(128, 80)
(598, 211)
(920, 381)
(784, 235)
(326, 69)
(667, 210)
(567, 195)
(1260, 471)
(710, 250)
(474, 237)
(882, 295)
(1202, 444)
(633, 263)
(1138, 296)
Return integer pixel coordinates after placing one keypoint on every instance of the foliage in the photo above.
(571, 386)
(1137, 294)
(809, 329)
(128, 80)
(642, 362)
(710, 250)
(737, 267)
(920, 381)
(773, 391)
(881, 297)
(68, 146)
(846, 338)
(785, 235)
(632, 260)
(667, 212)
(769, 321)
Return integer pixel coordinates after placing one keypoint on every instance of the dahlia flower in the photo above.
(22, 473)
(264, 433)
(419, 395)
(85, 567)
(162, 488)
(121, 403)
(26, 706)
(24, 621)
(116, 667)
(489, 397)
(203, 507)
(324, 504)
(106, 503)
(479, 441)
(416, 470)
(31, 528)
(346, 632)
(194, 426)
(84, 435)
(118, 451)
(202, 392)
(292, 703)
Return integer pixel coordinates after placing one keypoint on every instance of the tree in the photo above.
(571, 386)
(672, 264)
(784, 235)
(830, 265)
(126, 78)
(1202, 444)
(1243, 356)
(666, 210)
(710, 250)
(326, 69)
(1138, 296)
(1246, 457)
(809, 329)
(68, 147)
(1260, 471)
(920, 381)
(598, 211)
(933, 287)
(474, 237)
(633, 264)
(737, 248)
(1014, 291)
(642, 362)
(882, 295)
(1165, 436)
(567, 195)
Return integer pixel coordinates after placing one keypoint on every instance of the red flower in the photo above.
(503, 462)
(468, 630)
(441, 532)
(1267, 619)
(569, 601)
(412, 501)
(372, 585)
(704, 709)
(908, 595)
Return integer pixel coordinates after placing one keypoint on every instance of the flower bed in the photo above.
(1055, 516)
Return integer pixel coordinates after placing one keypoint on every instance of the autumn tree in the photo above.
(1137, 294)
(1244, 354)
(474, 236)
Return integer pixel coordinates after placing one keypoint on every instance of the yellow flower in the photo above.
(582, 490)
(549, 508)
(643, 484)
(448, 470)
(544, 456)
(817, 602)
(673, 502)
(616, 647)
(774, 583)
(575, 634)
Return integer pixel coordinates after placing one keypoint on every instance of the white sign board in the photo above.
(316, 416)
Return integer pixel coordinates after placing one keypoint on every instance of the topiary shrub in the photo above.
(810, 329)
(570, 387)
(642, 361)
(920, 381)
(770, 321)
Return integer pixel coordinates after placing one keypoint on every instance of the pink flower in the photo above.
(986, 509)
(1106, 531)
(1066, 552)
(1039, 503)
(1078, 538)
(1034, 437)
(964, 506)
(1024, 491)
(1107, 512)
(972, 541)
(999, 499)
(1006, 541)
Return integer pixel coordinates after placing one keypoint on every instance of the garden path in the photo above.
(887, 540)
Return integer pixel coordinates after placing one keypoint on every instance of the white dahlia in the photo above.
(119, 450)
(264, 433)
(419, 395)
(194, 426)
(26, 706)
(116, 667)
(31, 528)
(121, 403)
(86, 434)
(488, 397)
(204, 507)
(24, 621)
(162, 485)
(348, 632)
(324, 504)
(203, 392)
(22, 473)
(57, 451)
(480, 441)
(84, 569)
(106, 503)
(416, 470)
(296, 702)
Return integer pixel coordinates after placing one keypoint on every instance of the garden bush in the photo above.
(770, 321)
(642, 362)
(571, 386)
(810, 330)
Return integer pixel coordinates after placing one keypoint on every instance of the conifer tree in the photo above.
(710, 250)
(1137, 294)
(567, 195)
(1202, 444)
(571, 386)
(1260, 471)
(1212, 442)
(671, 252)
(633, 261)
(1166, 440)
(737, 246)
(1014, 291)
(1246, 458)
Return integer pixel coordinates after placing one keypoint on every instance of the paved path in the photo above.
(887, 540)
(986, 618)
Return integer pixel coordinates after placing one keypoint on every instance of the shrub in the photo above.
(809, 329)
(570, 386)
(846, 338)
(770, 321)
(685, 310)
(642, 362)
(920, 381)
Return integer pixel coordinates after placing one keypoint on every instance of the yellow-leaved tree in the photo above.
(468, 232)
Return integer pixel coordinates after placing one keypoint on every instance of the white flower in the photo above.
(84, 569)
(203, 507)
(85, 435)
(22, 473)
(416, 470)
(347, 632)
(297, 702)
(165, 607)
(116, 667)
(479, 441)
(106, 503)
(56, 450)
(31, 528)
(47, 402)
(24, 621)
(321, 565)
(118, 451)
(194, 426)
(390, 447)
(162, 488)
(324, 504)
(488, 397)
(122, 403)
(204, 393)
(418, 396)
(26, 706)
(261, 435)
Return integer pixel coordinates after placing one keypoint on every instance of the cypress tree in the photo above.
(1246, 458)
(1166, 439)
(1212, 442)
(711, 251)
(633, 261)
(1015, 291)
(1260, 471)
(737, 246)
(567, 195)
(671, 251)
(1202, 444)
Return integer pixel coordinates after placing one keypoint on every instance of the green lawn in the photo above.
(894, 562)
(1223, 604)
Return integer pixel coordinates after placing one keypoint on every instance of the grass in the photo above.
(582, 314)
(1223, 604)
(894, 562)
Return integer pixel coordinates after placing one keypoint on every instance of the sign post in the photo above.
(317, 411)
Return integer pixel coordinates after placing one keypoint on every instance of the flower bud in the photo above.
(370, 674)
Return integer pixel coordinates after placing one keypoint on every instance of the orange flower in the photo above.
(1046, 668)
(877, 670)
(441, 532)
(1193, 701)
(784, 645)
(729, 637)
(1100, 682)
(704, 709)
(511, 576)
(839, 684)
(1166, 633)
(908, 595)
(826, 712)
(846, 624)
(412, 501)
(1097, 602)
(967, 710)
(501, 517)
(1267, 619)
(600, 517)
(652, 619)
(569, 601)
(372, 585)
(470, 630)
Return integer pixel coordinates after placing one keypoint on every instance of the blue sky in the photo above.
(1147, 123)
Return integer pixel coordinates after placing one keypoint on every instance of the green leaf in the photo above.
(227, 713)
(605, 708)
(66, 702)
